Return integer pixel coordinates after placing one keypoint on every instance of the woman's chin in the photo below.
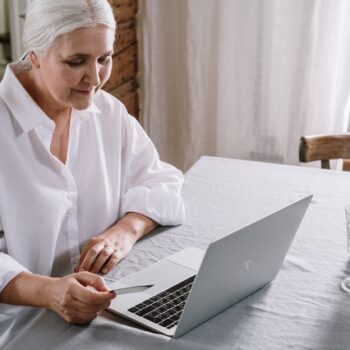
(82, 104)
(81, 107)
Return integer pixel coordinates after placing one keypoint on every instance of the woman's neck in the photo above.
(34, 87)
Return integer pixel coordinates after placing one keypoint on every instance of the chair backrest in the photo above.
(324, 148)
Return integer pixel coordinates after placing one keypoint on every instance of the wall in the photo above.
(123, 82)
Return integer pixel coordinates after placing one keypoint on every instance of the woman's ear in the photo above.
(34, 60)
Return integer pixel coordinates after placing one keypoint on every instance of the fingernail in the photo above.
(105, 270)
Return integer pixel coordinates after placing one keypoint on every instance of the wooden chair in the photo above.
(324, 148)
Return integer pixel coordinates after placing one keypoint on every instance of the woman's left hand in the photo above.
(104, 251)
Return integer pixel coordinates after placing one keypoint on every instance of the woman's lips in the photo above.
(83, 92)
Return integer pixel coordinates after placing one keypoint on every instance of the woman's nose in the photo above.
(92, 75)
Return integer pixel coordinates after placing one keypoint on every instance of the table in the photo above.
(303, 308)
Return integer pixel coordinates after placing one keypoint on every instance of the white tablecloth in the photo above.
(303, 308)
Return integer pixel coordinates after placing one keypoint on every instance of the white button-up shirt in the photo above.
(49, 210)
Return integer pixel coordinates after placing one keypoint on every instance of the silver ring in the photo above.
(345, 285)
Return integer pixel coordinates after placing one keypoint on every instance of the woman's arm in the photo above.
(77, 298)
(104, 251)
(150, 196)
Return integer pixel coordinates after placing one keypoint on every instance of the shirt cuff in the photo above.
(160, 204)
(9, 269)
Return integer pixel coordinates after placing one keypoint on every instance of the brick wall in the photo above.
(123, 81)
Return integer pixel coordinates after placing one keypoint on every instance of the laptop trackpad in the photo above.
(162, 275)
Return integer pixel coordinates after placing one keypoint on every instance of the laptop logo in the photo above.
(246, 266)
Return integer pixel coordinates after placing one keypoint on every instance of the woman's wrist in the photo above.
(27, 289)
(135, 224)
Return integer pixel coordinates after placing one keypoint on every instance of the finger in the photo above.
(72, 307)
(91, 256)
(99, 296)
(111, 262)
(86, 278)
(102, 258)
(81, 307)
(90, 297)
(92, 242)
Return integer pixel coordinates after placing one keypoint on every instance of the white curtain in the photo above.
(243, 78)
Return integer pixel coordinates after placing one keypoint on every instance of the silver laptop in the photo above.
(192, 285)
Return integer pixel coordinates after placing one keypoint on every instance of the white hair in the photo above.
(47, 20)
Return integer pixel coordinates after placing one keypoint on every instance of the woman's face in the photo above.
(75, 68)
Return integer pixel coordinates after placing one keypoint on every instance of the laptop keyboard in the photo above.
(166, 307)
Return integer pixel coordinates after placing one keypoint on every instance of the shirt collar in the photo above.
(27, 113)
(84, 114)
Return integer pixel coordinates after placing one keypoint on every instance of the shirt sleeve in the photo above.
(152, 187)
(9, 267)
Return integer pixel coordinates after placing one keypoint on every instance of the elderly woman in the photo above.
(80, 180)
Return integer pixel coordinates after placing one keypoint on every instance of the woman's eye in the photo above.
(104, 59)
(75, 63)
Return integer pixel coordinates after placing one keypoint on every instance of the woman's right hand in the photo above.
(79, 297)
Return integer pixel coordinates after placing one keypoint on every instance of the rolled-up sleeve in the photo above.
(152, 187)
(9, 267)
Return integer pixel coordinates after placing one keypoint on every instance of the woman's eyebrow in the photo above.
(83, 55)
(75, 56)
